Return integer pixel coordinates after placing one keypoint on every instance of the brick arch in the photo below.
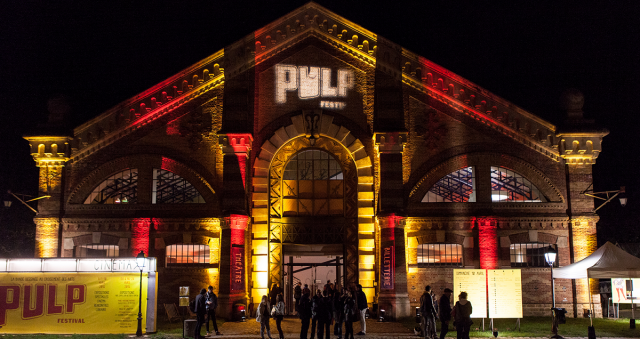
(526, 169)
(95, 177)
(105, 239)
(268, 166)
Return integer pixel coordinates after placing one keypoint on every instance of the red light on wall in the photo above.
(488, 243)
(140, 235)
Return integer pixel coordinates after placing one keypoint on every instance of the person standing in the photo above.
(263, 315)
(462, 316)
(279, 314)
(325, 315)
(275, 290)
(212, 304)
(338, 311)
(316, 302)
(444, 309)
(351, 314)
(428, 314)
(304, 312)
(297, 294)
(361, 299)
(201, 311)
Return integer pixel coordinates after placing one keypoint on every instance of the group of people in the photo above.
(332, 305)
(431, 309)
(205, 305)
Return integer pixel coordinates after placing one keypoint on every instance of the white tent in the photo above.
(609, 261)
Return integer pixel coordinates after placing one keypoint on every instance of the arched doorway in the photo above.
(276, 224)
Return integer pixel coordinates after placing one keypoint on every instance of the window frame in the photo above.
(206, 256)
(454, 178)
(536, 257)
(424, 264)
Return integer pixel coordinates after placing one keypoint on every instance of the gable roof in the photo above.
(314, 20)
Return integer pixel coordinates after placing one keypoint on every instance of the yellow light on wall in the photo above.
(261, 263)
(46, 237)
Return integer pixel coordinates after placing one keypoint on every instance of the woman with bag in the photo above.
(461, 315)
(351, 313)
(278, 313)
(263, 315)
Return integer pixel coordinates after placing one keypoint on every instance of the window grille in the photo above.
(181, 254)
(97, 251)
(458, 186)
(530, 255)
(170, 188)
(120, 188)
(509, 186)
(430, 255)
(313, 185)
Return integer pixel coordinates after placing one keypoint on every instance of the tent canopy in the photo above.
(608, 261)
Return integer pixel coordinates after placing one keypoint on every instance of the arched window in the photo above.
(187, 254)
(530, 255)
(120, 188)
(458, 186)
(440, 255)
(509, 186)
(313, 185)
(170, 188)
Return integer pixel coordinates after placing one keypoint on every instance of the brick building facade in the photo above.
(313, 132)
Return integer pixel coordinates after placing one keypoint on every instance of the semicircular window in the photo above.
(458, 186)
(170, 188)
(120, 188)
(509, 186)
(313, 185)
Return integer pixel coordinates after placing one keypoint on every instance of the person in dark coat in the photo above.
(201, 311)
(428, 313)
(212, 303)
(338, 310)
(325, 315)
(273, 294)
(304, 312)
(444, 308)
(462, 316)
(351, 314)
(315, 310)
(297, 294)
(361, 299)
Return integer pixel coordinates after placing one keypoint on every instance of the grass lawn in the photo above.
(166, 330)
(541, 327)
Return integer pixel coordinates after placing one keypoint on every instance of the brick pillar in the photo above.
(50, 154)
(235, 149)
(393, 297)
(391, 263)
(233, 284)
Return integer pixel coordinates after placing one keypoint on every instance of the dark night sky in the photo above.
(98, 54)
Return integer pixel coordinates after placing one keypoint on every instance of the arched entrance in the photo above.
(314, 224)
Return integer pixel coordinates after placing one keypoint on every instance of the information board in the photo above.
(505, 293)
(474, 282)
(71, 302)
(621, 294)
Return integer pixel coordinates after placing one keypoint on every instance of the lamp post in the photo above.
(550, 255)
(140, 260)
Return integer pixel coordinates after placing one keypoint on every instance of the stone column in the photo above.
(233, 282)
(579, 145)
(394, 296)
(50, 154)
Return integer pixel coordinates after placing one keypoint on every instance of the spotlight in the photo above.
(381, 319)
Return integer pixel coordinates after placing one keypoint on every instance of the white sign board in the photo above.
(505, 293)
(474, 282)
